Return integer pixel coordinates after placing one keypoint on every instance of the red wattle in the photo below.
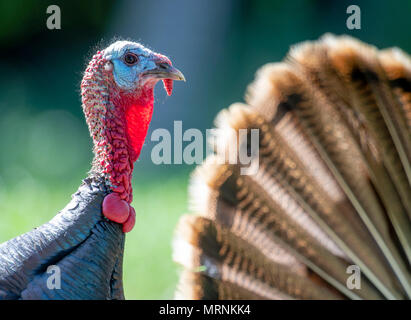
(131, 221)
(115, 209)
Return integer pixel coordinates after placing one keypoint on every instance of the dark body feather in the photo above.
(86, 247)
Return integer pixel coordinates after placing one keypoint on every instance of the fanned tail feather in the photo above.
(332, 188)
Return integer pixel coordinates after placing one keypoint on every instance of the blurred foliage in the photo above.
(24, 21)
(45, 147)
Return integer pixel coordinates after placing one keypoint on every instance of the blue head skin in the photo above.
(135, 66)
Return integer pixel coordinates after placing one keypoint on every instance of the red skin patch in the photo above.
(115, 209)
(129, 224)
(118, 126)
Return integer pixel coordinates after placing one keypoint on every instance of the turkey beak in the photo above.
(163, 70)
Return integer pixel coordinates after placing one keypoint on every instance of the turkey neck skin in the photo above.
(118, 122)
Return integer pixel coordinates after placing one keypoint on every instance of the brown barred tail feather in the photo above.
(331, 187)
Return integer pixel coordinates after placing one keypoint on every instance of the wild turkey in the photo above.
(332, 187)
(117, 95)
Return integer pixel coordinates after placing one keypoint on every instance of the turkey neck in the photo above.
(118, 122)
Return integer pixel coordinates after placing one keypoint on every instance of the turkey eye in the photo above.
(130, 59)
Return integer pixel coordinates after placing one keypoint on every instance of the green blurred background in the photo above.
(45, 149)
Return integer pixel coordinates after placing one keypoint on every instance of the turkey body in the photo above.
(79, 253)
(331, 193)
(86, 248)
